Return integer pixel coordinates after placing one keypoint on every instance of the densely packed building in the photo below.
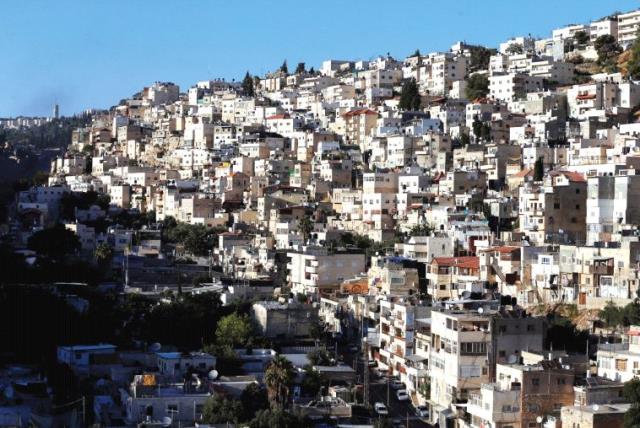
(417, 208)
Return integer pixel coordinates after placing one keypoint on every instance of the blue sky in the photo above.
(85, 54)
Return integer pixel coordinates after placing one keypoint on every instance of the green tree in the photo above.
(284, 68)
(278, 378)
(480, 57)
(300, 68)
(416, 53)
(633, 65)
(40, 178)
(464, 139)
(219, 410)
(103, 253)
(305, 227)
(581, 37)
(631, 393)
(55, 242)
(247, 85)
(538, 169)
(477, 127)
(421, 230)
(319, 357)
(477, 86)
(485, 132)
(278, 418)
(311, 382)
(612, 315)
(234, 330)
(515, 49)
(254, 399)
(608, 50)
(410, 96)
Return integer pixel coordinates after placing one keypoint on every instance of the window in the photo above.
(473, 348)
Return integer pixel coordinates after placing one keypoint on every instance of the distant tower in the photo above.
(56, 111)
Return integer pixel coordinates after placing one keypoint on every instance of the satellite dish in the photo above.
(512, 359)
(167, 421)
(155, 347)
(596, 407)
(8, 392)
(539, 419)
(480, 310)
(213, 375)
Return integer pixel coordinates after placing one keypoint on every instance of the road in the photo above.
(398, 410)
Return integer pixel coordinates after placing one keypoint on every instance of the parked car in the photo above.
(402, 395)
(396, 384)
(422, 411)
(380, 409)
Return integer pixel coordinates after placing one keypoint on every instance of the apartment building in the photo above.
(556, 210)
(396, 330)
(628, 25)
(449, 277)
(521, 394)
(315, 270)
(465, 347)
(514, 86)
(358, 125)
(610, 205)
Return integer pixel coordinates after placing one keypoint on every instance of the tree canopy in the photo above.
(234, 330)
(581, 37)
(608, 50)
(278, 378)
(631, 393)
(538, 169)
(55, 242)
(515, 49)
(633, 64)
(219, 410)
(300, 68)
(477, 86)
(278, 418)
(284, 68)
(247, 85)
(480, 57)
(410, 96)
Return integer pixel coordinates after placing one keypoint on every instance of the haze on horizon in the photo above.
(90, 55)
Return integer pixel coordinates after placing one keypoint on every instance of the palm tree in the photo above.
(278, 378)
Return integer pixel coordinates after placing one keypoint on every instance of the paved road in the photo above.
(398, 410)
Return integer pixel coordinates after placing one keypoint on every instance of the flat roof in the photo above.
(98, 347)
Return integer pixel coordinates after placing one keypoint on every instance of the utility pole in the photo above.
(365, 393)
(388, 382)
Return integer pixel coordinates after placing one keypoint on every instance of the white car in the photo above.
(402, 395)
(422, 411)
(380, 409)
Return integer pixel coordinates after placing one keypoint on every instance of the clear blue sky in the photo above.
(85, 54)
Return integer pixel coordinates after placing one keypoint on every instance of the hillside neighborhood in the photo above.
(447, 240)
